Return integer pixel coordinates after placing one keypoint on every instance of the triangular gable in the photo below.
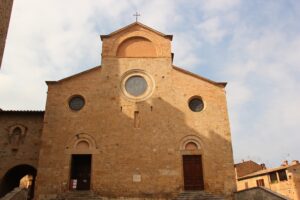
(170, 37)
(219, 84)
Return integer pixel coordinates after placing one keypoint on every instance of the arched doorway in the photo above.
(81, 148)
(191, 151)
(13, 177)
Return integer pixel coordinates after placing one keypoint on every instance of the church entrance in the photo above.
(81, 172)
(192, 172)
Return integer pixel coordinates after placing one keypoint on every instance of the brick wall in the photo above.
(122, 152)
(27, 149)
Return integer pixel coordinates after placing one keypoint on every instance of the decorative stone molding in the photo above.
(187, 142)
(81, 143)
(16, 135)
(140, 73)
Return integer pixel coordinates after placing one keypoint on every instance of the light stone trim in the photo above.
(191, 138)
(71, 147)
(137, 72)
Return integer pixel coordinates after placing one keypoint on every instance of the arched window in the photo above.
(16, 135)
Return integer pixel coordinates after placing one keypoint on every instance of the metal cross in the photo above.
(136, 16)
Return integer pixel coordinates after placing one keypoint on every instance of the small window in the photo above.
(282, 175)
(246, 185)
(76, 103)
(196, 104)
(260, 182)
(273, 177)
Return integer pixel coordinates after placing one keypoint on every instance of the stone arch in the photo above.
(191, 144)
(16, 176)
(136, 47)
(82, 143)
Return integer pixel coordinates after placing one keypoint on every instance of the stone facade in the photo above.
(5, 12)
(136, 142)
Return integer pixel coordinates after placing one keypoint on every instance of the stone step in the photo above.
(197, 195)
(79, 195)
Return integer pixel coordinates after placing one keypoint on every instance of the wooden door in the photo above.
(192, 172)
(81, 171)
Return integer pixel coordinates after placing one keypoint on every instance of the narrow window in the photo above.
(260, 182)
(136, 119)
(273, 177)
(246, 185)
(282, 175)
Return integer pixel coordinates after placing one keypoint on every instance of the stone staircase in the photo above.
(79, 195)
(197, 195)
(89, 195)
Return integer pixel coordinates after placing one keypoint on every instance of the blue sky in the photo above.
(253, 45)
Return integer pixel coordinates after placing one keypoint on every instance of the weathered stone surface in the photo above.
(136, 142)
(28, 147)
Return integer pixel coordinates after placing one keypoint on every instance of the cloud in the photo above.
(254, 46)
(211, 31)
(219, 5)
(263, 98)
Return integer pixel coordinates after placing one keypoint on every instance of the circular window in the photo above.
(76, 103)
(136, 85)
(196, 104)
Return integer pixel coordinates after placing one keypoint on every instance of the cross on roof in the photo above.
(136, 16)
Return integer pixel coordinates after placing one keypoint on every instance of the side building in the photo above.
(284, 180)
(20, 133)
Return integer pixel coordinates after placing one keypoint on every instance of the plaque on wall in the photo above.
(136, 178)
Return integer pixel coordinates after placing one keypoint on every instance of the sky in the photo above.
(253, 45)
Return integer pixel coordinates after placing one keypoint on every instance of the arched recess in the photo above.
(13, 177)
(191, 144)
(136, 47)
(82, 143)
(16, 135)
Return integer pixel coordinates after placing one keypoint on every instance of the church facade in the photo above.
(136, 126)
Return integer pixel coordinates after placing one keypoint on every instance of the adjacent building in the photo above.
(284, 180)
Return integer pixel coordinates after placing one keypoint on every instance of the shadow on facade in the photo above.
(154, 137)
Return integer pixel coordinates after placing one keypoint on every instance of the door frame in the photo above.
(70, 170)
(199, 150)
(183, 177)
